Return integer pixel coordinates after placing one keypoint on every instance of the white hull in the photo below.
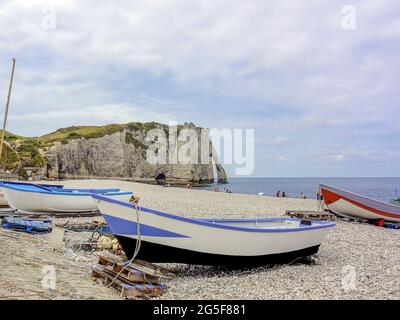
(33, 202)
(345, 208)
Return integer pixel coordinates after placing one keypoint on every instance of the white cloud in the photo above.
(336, 157)
(274, 51)
(100, 114)
(276, 158)
(273, 142)
(279, 141)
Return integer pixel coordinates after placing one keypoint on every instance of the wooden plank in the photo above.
(130, 275)
(313, 215)
(128, 290)
(142, 291)
(152, 269)
(77, 214)
(107, 260)
(139, 265)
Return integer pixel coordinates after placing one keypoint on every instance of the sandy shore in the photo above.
(356, 261)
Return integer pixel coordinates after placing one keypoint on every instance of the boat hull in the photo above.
(163, 254)
(35, 202)
(3, 201)
(348, 204)
(170, 238)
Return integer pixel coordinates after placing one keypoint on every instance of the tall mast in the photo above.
(7, 106)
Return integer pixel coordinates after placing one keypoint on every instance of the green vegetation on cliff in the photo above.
(30, 150)
(87, 132)
(21, 151)
(130, 139)
(9, 157)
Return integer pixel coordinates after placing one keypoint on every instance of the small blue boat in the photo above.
(35, 198)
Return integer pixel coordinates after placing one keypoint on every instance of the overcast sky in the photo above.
(321, 95)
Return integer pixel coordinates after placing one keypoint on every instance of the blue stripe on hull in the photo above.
(126, 227)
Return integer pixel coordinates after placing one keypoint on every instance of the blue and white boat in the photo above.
(57, 187)
(166, 237)
(35, 198)
(3, 201)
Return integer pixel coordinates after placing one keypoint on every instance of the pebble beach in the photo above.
(356, 260)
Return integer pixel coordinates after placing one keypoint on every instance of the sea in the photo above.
(383, 189)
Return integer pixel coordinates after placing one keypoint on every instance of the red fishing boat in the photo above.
(345, 203)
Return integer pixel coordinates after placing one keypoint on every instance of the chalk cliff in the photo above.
(119, 152)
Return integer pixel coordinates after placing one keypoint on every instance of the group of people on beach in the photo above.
(283, 195)
(279, 195)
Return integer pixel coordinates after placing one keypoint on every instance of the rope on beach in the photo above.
(137, 247)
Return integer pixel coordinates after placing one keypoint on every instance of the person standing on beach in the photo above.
(278, 194)
(161, 178)
(283, 194)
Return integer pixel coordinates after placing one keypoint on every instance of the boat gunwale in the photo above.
(44, 190)
(90, 190)
(43, 185)
(60, 186)
(322, 224)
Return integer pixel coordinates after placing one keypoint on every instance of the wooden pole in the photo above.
(7, 106)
